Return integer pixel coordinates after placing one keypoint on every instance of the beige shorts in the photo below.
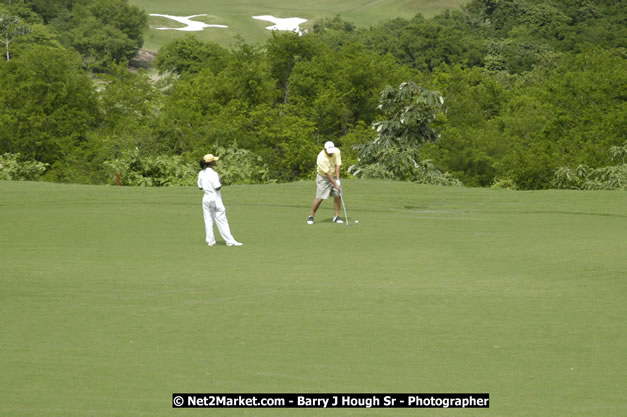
(324, 188)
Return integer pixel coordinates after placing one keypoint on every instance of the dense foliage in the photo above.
(529, 87)
(395, 152)
(14, 167)
(613, 177)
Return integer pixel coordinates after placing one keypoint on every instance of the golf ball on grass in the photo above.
(356, 221)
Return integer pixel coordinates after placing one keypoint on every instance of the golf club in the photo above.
(344, 207)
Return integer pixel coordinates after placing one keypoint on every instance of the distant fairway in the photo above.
(237, 15)
(110, 301)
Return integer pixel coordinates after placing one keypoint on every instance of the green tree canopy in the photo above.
(47, 104)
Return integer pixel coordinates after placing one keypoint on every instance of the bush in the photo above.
(236, 166)
(240, 166)
(504, 184)
(14, 167)
(403, 165)
(152, 171)
(395, 151)
(586, 178)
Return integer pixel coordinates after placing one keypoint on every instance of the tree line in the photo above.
(526, 94)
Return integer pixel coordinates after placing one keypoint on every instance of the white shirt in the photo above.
(209, 180)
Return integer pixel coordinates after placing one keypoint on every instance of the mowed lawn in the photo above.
(237, 15)
(110, 300)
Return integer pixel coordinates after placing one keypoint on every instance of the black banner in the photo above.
(271, 400)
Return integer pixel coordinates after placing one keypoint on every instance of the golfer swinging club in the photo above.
(328, 180)
(212, 206)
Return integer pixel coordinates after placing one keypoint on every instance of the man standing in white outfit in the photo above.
(212, 206)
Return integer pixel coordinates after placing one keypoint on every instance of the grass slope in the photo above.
(237, 15)
(110, 301)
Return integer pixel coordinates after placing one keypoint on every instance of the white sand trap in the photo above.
(290, 23)
(192, 25)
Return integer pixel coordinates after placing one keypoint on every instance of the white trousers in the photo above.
(214, 211)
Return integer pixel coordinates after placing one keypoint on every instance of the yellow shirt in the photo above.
(327, 163)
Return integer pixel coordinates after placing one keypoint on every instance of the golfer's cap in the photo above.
(330, 147)
(209, 158)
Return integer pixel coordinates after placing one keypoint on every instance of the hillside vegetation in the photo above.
(526, 94)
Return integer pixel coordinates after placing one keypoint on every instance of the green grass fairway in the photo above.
(237, 15)
(110, 300)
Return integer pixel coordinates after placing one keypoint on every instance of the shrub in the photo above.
(240, 166)
(236, 166)
(604, 178)
(395, 151)
(15, 167)
(504, 184)
(152, 171)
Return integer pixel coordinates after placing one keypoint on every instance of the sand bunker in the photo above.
(291, 23)
(192, 25)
